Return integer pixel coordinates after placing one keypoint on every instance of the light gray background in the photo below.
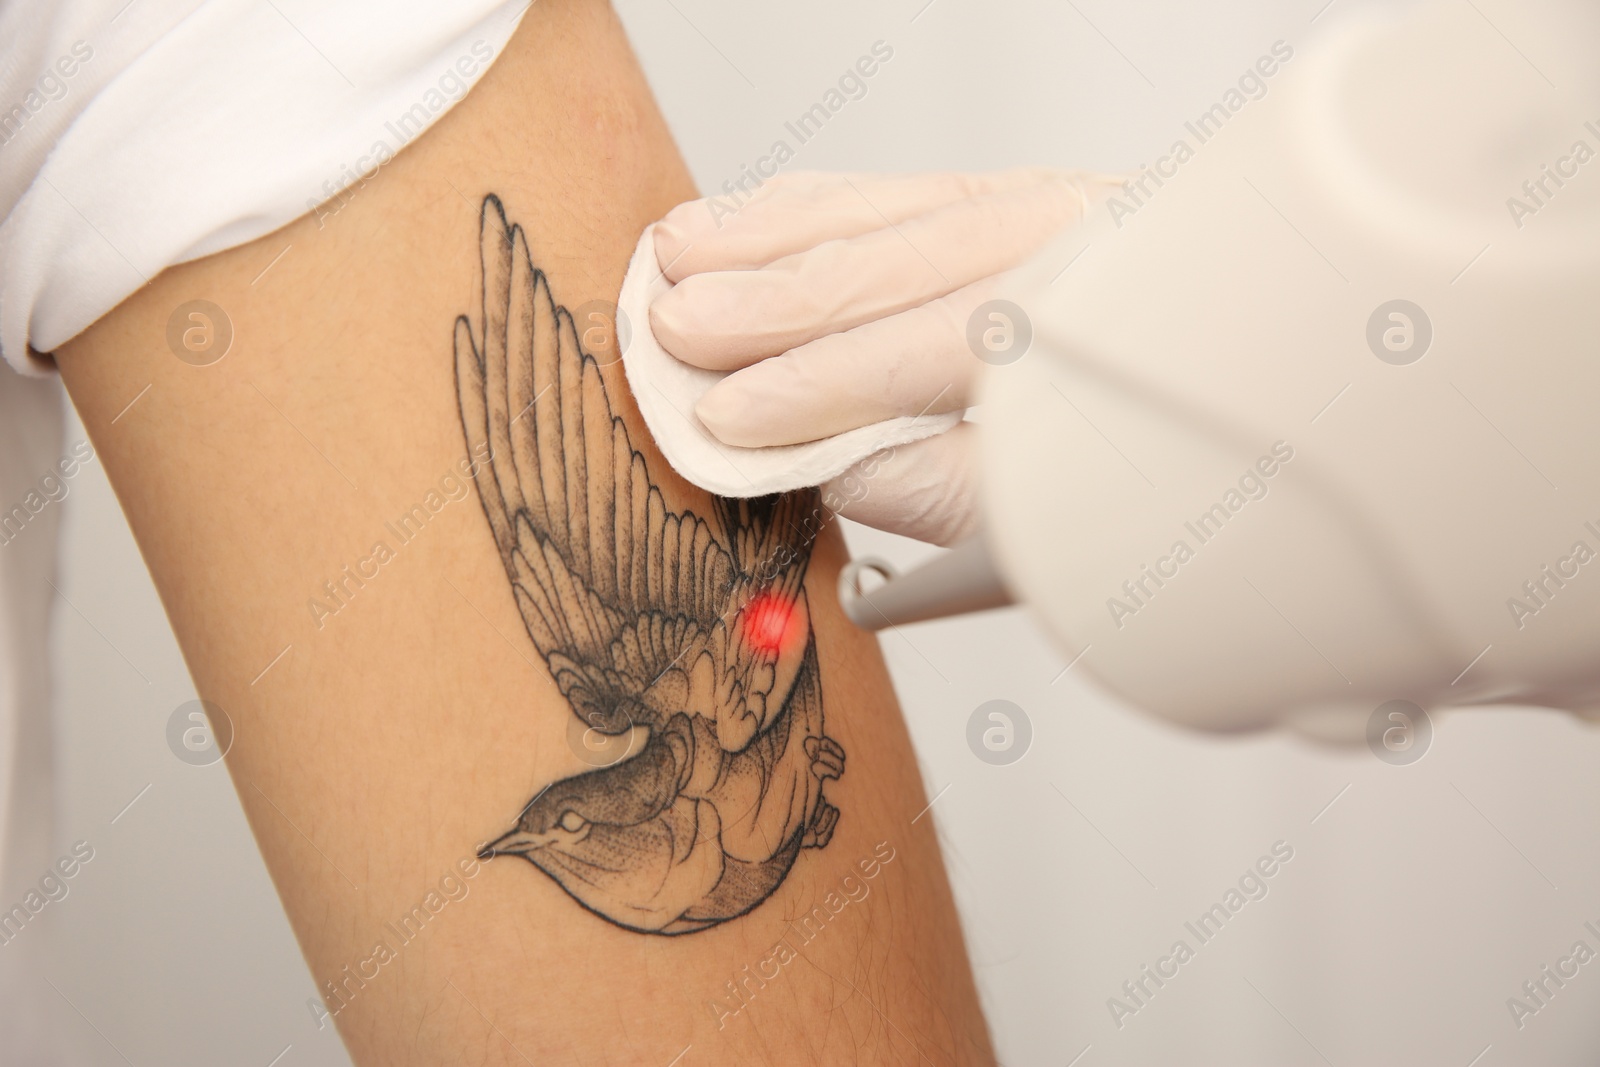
(1418, 900)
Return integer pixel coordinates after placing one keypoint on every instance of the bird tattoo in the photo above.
(693, 632)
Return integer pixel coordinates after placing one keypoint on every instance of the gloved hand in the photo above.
(842, 300)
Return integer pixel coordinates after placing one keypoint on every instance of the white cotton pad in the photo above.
(667, 392)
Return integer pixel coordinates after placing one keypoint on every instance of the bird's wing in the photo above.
(614, 589)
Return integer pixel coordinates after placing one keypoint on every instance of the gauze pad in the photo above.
(667, 391)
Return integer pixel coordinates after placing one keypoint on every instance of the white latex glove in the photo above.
(841, 300)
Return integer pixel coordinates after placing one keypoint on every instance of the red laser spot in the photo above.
(765, 621)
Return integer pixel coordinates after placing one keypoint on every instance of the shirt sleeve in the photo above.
(199, 133)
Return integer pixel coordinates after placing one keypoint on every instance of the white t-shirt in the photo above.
(136, 134)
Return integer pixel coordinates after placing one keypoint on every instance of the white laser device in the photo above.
(1311, 420)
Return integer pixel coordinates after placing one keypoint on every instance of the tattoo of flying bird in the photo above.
(695, 629)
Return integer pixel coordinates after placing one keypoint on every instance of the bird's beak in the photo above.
(516, 842)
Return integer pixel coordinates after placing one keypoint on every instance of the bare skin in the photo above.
(414, 715)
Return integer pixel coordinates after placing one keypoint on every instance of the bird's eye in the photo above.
(572, 822)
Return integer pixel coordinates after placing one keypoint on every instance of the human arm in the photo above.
(414, 713)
